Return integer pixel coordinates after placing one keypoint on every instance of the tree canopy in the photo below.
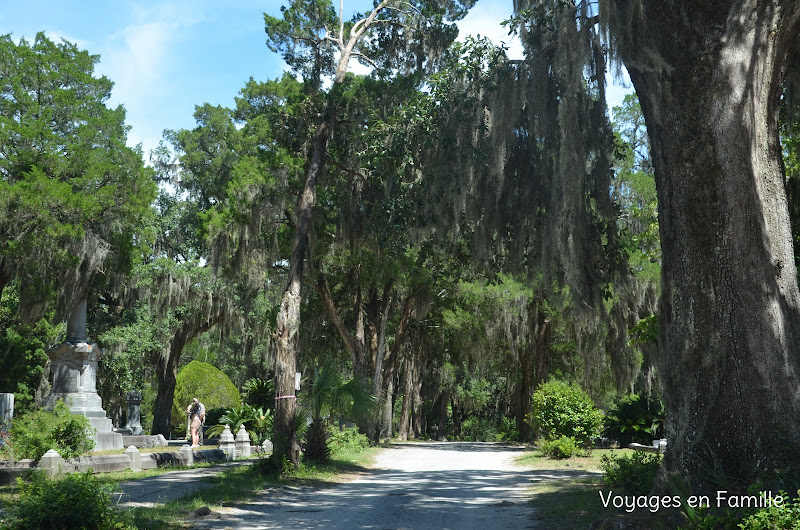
(73, 196)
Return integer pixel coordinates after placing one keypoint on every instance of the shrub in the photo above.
(634, 473)
(316, 446)
(259, 393)
(205, 382)
(507, 430)
(478, 429)
(347, 440)
(633, 418)
(75, 501)
(560, 409)
(564, 447)
(35, 433)
(785, 516)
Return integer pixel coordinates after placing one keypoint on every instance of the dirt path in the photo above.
(421, 485)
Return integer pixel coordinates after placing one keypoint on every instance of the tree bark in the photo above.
(388, 406)
(355, 344)
(408, 396)
(708, 76)
(288, 321)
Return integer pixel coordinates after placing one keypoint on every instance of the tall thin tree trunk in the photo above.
(288, 320)
(408, 396)
(418, 419)
(288, 324)
(388, 406)
(708, 75)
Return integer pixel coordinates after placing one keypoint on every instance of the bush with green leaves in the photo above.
(560, 409)
(478, 429)
(785, 516)
(35, 433)
(208, 384)
(560, 448)
(259, 392)
(331, 395)
(257, 421)
(507, 430)
(633, 473)
(347, 440)
(74, 501)
(634, 419)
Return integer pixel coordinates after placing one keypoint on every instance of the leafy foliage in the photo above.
(23, 359)
(560, 409)
(259, 392)
(72, 194)
(347, 440)
(330, 394)
(205, 382)
(560, 448)
(38, 431)
(73, 501)
(257, 421)
(633, 473)
(785, 516)
(634, 419)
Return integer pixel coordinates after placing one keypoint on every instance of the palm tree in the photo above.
(330, 394)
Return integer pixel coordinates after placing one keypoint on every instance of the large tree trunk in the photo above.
(166, 376)
(708, 76)
(167, 371)
(404, 427)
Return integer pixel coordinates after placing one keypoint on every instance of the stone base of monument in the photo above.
(144, 440)
(74, 381)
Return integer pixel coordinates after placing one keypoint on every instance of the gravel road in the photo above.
(443, 485)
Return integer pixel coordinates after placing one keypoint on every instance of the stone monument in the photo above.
(6, 414)
(74, 367)
(134, 412)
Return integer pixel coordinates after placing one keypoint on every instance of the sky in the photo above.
(166, 56)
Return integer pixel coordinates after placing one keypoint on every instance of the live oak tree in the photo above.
(709, 78)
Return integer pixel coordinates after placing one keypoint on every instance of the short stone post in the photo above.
(187, 455)
(227, 443)
(51, 463)
(267, 446)
(135, 455)
(242, 443)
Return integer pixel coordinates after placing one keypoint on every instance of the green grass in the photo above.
(534, 460)
(568, 502)
(163, 449)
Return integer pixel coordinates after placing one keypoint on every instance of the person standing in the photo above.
(197, 415)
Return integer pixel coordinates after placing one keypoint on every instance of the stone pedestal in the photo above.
(134, 412)
(242, 443)
(74, 369)
(227, 443)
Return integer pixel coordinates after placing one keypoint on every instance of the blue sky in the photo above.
(167, 56)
